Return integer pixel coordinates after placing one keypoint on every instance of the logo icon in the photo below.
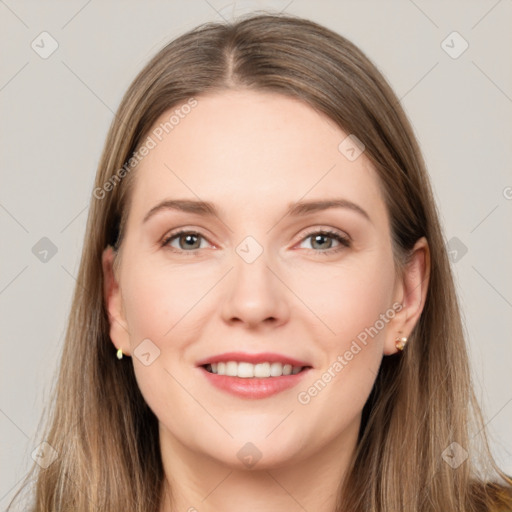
(44, 455)
(351, 147)
(249, 249)
(249, 454)
(454, 455)
(146, 352)
(456, 249)
(454, 45)
(44, 45)
(44, 250)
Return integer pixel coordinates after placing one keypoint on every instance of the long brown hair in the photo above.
(105, 435)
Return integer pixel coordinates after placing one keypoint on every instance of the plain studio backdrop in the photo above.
(64, 69)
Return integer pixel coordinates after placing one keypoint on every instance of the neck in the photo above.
(197, 482)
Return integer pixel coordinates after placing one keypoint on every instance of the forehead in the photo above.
(247, 150)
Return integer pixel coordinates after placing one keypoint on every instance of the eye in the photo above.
(184, 241)
(322, 241)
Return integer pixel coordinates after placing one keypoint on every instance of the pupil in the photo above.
(319, 238)
(189, 240)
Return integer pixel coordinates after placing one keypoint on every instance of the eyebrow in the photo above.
(298, 209)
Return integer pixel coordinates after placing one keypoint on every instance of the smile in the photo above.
(253, 387)
(247, 370)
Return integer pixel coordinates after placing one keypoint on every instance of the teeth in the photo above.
(248, 370)
(244, 370)
(231, 368)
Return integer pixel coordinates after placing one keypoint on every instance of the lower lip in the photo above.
(255, 387)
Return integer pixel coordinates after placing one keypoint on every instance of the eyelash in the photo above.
(343, 241)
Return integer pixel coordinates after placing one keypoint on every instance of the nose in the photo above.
(254, 295)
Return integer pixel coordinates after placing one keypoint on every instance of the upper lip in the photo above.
(262, 357)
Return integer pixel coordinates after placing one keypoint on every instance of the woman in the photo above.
(308, 351)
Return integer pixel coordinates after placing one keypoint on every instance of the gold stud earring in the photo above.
(119, 353)
(400, 342)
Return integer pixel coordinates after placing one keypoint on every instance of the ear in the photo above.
(113, 299)
(411, 292)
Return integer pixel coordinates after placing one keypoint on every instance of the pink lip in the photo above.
(252, 358)
(254, 388)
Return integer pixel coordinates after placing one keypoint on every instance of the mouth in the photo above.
(246, 370)
(253, 376)
(247, 381)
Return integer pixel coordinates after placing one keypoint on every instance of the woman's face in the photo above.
(258, 276)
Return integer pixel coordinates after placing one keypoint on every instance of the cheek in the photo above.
(350, 296)
(158, 299)
(160, 302)
(352, 301)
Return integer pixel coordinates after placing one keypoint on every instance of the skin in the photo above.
(252, 154)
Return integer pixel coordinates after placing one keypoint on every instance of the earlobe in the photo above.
(412, 294)
(113, 302)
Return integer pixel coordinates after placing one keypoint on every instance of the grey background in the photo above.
(55, 113)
